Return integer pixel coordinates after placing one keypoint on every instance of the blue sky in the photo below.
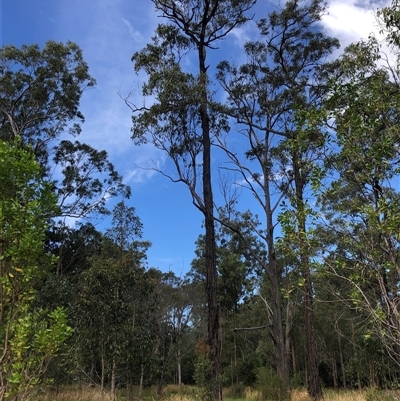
(109, 32)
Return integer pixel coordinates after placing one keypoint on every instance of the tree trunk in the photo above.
(141, 381)
(235, 354)
(288, 329)
(342, 367)
(91, 373)
(293, 361)
(103, 367)
(113, 380)
(130, 387)
(335, 373)
(278, 334)
(313, 382)
(179, 367)
(210, 247)
(160, 384)
(277, 327)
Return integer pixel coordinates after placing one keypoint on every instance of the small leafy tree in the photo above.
(29, 337)
(202, 371)
(105, 313)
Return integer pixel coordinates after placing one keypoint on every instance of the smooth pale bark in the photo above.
(141, 381)
(335, 373)
(179, 367)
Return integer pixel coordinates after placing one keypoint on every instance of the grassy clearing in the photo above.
(75, 393)
(86, 393)
(345, 395)
(190, 393)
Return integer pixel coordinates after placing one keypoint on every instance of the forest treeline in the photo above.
(301, 288)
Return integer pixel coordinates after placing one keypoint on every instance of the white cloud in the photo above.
(134, 34)
(143, 170)
(244, 34)
(351, 20)
(138, 175)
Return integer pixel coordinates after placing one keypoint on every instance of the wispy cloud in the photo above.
(134, 34)
(244, 34)
(144, 168)
(109, 32)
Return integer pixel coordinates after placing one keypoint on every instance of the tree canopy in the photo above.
(298, 286)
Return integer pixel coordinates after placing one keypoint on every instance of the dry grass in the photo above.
(189, 393)
(173, 389)
(75, 393)
(87, 393)
(299, 395)
(345, 395)
(330, 395)
(253, 395)
(181, 397)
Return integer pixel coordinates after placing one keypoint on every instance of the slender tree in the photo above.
(282, 75)
(109, 292)
(182, 122)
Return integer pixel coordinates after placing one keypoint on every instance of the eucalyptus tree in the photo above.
(182, 121)
(39, 103)
(362, 203)
(281, 77)
(303, 151)
(40, 93)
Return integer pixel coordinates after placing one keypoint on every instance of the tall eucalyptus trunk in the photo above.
(195, 24)
(313, 381)
(210, 246)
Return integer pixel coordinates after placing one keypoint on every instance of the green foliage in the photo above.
(203, 369)
(362, 201)
(389, 17)
(89, 179)
(235, 392)
(40, 93)
(249, 366)
(35, 338)
(314, 130)
(76, 246)
(270, 385)
(236, 266)
(113, 305)
(29, 337)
